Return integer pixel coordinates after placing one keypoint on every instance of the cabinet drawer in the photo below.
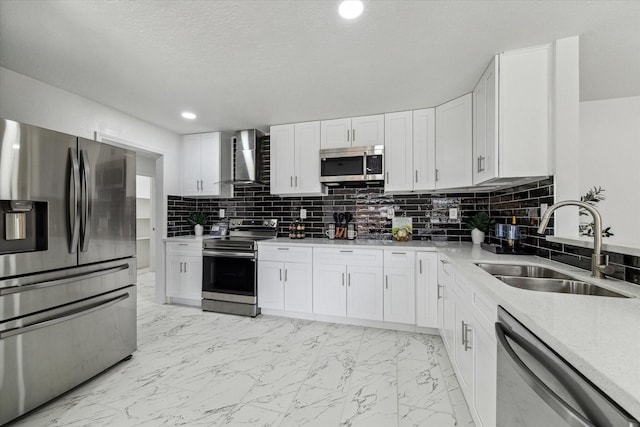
(398, 258)
(284, 253)
(486, 311)
(368, 257)
(190, 248)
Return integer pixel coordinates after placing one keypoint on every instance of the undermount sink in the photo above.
(522, 271)
(542, 279)
(564, 286)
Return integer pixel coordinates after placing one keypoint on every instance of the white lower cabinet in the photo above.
(399, 286)
(426, 289)
(348, 283)
(466, 321)
(184, 270)
(285, 279)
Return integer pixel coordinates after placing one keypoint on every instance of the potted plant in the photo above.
(479, 224)
(198, 219)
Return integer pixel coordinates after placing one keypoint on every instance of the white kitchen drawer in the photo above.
(351, 257)
(190, 248)
(398, 258)
(284, 253)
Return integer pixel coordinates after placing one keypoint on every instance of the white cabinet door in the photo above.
(192, 284)
(282, 159)
(367, 130)
(454, 143)
(484, 377)
(463, 353)
(191, 165)
(424, 149)
(270, 285)
(174, 276)
(335, 133)
(210, 155)
(427, 289)
(446, 307)
(485, 124)
(329, 289)
(399, 286)
(307, 158)
(398, 161)
(364, 292)
(297, 287)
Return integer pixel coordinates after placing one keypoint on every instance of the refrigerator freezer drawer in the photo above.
(29, 294)
(49, 353)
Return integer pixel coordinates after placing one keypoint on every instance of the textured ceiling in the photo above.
(240, 64)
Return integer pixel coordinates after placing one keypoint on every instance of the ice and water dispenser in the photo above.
(23, 226)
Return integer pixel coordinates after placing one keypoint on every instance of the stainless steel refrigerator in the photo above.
(67, 263)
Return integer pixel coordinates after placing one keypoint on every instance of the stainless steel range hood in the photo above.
(249, 165)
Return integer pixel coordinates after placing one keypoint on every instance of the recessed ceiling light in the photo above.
(350, 9)
(188, 115)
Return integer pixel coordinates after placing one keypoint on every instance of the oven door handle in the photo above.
(224, 254)
(562, 408)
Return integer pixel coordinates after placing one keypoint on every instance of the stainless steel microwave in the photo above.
(352, 164)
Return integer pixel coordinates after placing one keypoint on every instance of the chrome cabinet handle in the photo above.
(347, 135)
(399, 253)
(480, 164)
(387, 177)
(185, 267)
(440, 296)
(462, 332)
(347, 252)
(283, 249)
(342, 279)
(420, 262)
(280, 275)
(180, 267)
(437, 175)
(291, 181)
(353, 135)
(416, 175)
(386, 282)
(467, 329)
(349, 279)
(296, 180)
(285, 274)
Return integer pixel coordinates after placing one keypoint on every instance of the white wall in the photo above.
(30, 101)
(609, 157)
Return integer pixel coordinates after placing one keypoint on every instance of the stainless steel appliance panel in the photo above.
(37, 165)
(48, 353)
(537, 388)
(29, 294)
(108, 208)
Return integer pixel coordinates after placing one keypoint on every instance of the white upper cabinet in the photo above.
(454, 143)
(295, 159)
(352, 132)
(424, 149)
(512, 110)
(398, 136)
(410, 151)
(206, 164)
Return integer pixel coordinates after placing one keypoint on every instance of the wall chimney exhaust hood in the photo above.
(249, 165)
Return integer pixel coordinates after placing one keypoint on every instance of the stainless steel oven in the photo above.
(537, 388)
(229, 272)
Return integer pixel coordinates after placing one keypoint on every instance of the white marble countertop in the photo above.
(599, 336)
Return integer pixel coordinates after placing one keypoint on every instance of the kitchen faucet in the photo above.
(599, 262)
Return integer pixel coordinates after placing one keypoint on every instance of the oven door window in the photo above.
(342, 166)
(229, 275)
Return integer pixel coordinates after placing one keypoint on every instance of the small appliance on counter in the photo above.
(343, 227)
(297, 230)
(510, 233)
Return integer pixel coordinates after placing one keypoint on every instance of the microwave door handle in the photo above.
(86, 200)
(365, 172)
(562, 408)
(74, 192)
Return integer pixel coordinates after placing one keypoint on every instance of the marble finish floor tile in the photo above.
(195, 368)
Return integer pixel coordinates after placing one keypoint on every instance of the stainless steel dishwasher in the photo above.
(536, 387)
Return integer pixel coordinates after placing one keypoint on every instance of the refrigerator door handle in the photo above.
(74, 193)
(72, 315)
(69, 279)
(86, 201)
(562, 408)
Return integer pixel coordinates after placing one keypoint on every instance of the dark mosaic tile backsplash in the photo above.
(430, 213)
